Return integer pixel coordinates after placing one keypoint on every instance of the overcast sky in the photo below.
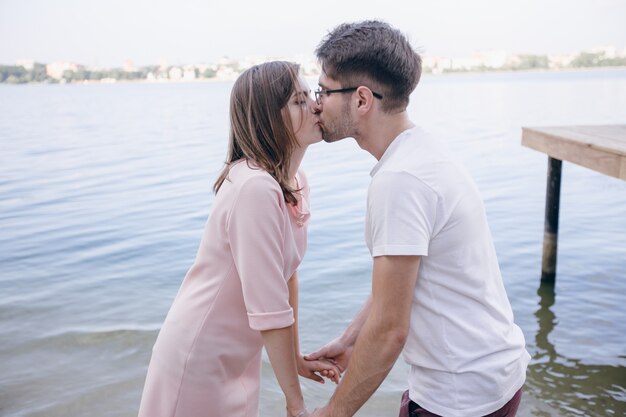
(110, 32)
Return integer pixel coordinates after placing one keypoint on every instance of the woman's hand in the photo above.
(310, 369)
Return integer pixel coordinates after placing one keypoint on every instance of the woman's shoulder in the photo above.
(248, 178)
(245, 170)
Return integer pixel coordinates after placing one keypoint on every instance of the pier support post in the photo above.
(551, 228)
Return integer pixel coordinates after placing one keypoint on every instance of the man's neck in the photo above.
(379, 133)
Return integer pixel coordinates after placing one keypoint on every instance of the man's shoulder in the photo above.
(400, 185)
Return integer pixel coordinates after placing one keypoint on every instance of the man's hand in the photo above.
(337, 352)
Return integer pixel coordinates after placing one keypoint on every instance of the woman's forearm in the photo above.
(279, 344)
(292, 284)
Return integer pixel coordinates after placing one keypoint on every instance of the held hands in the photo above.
(302, 413)
(329, 361)
(312, 369)
(336, 352)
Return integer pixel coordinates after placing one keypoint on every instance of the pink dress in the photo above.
(206, 361)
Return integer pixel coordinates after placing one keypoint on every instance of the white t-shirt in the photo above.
(467, 356)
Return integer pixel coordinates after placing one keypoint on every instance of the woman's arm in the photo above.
(279, 344)
(306, 368)
(292, 284)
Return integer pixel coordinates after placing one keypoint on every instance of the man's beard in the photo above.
(329, 139)
(341, 130)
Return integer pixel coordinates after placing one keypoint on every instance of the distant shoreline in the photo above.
(424, 74)
(29, 71)
(580, 69)
(526, 71)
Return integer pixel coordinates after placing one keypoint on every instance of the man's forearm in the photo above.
(364, 375)
(351, 333)
(381, 337)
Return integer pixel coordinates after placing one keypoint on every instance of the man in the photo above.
(437, 293)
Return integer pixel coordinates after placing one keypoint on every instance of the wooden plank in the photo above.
(611, 138)
(601, 148)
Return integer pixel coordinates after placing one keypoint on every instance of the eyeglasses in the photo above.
(319, 92)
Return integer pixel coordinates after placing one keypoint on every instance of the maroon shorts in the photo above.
(410, 409)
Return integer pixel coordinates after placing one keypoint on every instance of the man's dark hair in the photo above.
(374, 54)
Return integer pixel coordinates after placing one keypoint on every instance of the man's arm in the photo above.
(382, 336)
(340, 349)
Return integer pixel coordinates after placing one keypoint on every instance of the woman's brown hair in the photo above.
(259, 128)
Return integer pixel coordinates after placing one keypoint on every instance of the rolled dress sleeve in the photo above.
(256, 229)
(401, 215)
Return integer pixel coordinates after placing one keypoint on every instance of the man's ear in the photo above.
(365, 99)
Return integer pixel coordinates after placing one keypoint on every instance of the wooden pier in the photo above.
(601, 148)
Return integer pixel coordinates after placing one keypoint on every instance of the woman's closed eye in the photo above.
(301, 98)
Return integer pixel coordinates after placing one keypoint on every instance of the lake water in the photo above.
(104, 191)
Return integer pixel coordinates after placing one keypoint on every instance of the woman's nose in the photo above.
(316, 108)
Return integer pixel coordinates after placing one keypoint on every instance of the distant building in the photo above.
(560, 61)
(308, 65)
(464, 64)
(608, 51)
(226, 73)
(227, 68)
(490, 59)
(436, 64)
(175, 73)
(247, 62)
(56, 69)
(129, 66)
(189, 73)
(28, 64)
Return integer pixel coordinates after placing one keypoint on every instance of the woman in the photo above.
(241, 292)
